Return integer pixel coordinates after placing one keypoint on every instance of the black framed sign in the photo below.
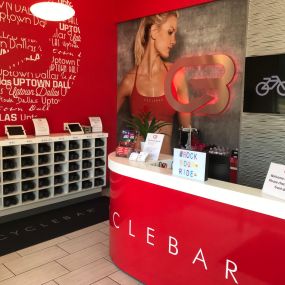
(264, 88)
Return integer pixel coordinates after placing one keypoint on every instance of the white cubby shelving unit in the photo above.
(38, 171)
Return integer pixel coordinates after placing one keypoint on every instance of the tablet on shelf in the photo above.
(75, 129)
(15, 131)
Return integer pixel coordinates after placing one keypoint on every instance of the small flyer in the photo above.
(153, 145)
(274, 183)
(41, 126)
(96, 124)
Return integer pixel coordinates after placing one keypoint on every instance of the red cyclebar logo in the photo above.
(207, 79)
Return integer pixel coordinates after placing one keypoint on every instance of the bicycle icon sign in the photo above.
(269, 83)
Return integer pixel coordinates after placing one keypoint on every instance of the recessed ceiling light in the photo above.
(52, 11)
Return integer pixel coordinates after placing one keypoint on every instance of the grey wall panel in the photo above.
(266, 27)
(262, 140)
(262, 136)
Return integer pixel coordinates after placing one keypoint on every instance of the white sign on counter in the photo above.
(190, 164)
(274, 183)
(41, 126)
(153, 145)
(96, 124)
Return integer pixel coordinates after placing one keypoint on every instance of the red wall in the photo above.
(93, 92)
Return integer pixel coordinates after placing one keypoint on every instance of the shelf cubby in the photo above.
(38, 171)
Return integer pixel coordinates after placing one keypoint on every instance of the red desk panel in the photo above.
(162, 236)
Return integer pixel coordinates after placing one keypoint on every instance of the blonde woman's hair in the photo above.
(143, 32)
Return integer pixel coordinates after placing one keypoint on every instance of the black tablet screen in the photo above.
(15, 131)
(75, 127)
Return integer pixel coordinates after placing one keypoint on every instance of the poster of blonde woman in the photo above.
(162, 70)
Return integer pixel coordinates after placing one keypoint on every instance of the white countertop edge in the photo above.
(232, 194)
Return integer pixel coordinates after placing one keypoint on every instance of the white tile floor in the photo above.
(78, 258)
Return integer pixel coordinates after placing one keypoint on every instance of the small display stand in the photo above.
(75, 129)
(15, 131)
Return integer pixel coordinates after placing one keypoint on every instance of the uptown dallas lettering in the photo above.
(231, 267)
(45, 59)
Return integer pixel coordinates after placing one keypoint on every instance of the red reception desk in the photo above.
(166, 230)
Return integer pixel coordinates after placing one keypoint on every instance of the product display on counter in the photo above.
(127, 143)
(38, 171)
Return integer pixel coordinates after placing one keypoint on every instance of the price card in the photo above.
(41, 126)
(274, 183)
(96, 124)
